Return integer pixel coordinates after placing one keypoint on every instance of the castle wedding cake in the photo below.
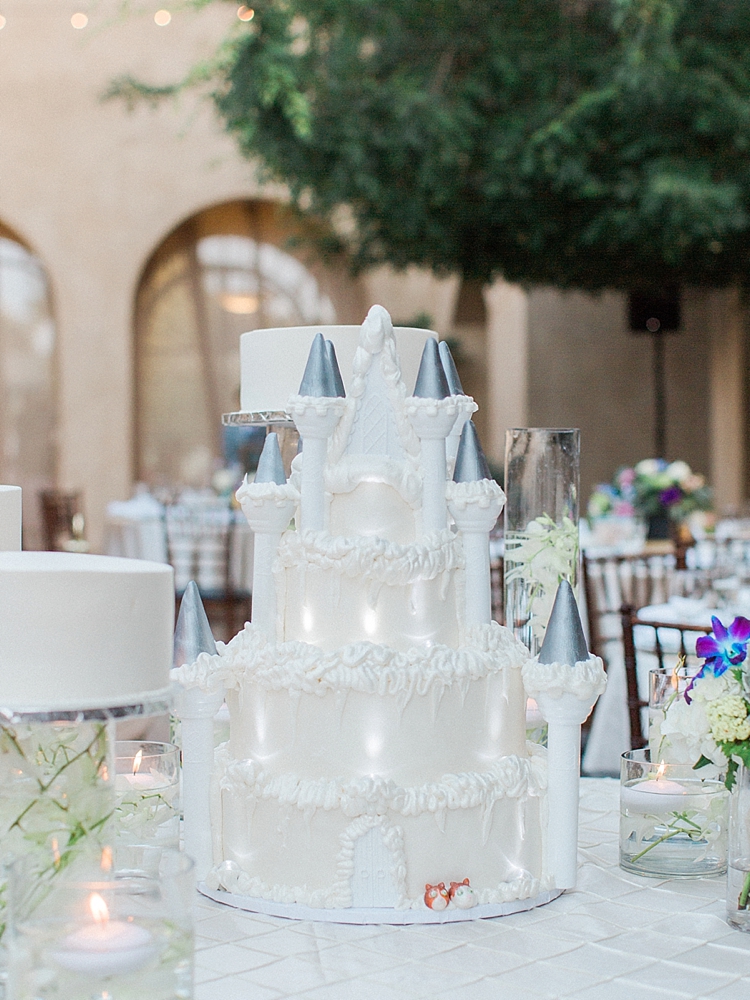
(377, 760)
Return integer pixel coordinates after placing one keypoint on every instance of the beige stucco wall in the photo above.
(93, 190)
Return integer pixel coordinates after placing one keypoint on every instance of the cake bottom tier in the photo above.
(334, 843)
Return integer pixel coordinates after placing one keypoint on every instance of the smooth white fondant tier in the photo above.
(272, 361)
(333, 590)
(333, 842)
(368, 710)
(83, 631)
(10, 518)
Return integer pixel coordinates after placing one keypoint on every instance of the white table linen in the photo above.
(616, 937)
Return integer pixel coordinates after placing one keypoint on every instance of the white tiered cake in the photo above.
(377, 754)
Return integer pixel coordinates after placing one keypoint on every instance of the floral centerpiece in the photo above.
(653, 490)
(709, 726)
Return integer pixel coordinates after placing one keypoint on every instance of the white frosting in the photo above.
(373, 559)
(82, 631)
(511, 777)
(489, 822)
(483, 493)
(273, 361)
(585, 681)
(372, 669)
(260, 493)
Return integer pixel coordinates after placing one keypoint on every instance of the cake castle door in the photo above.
(372, 882)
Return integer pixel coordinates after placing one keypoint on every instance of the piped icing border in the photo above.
(482, 492)
(251, 657)
(586, 680)
(374, 559)
(511, 777)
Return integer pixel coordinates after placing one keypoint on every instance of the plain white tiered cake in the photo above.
(82, 631)
(378, 758)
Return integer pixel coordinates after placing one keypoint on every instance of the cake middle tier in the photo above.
(366, 709)
(332, 590)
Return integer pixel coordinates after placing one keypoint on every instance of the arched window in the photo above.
(27, 379)
(221, 273)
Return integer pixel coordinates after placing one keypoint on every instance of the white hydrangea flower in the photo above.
(728, 718)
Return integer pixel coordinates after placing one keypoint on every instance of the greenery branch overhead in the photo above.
(579, 143)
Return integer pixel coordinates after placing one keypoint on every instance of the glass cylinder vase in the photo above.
(673, 819)
(738, 881)
(541, 525)
(120, 928)
(56, 795)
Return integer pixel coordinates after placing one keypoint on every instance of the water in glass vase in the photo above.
(738, 894)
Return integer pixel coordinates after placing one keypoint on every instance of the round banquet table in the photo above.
(616, 937)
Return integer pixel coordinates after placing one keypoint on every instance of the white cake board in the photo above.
(375, 915)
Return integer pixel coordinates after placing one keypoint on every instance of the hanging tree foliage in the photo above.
(579, 143)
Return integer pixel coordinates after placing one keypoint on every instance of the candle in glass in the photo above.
(673, 821)
(147, 789)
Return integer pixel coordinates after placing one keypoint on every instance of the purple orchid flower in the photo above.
(727, 647)
(669, 496)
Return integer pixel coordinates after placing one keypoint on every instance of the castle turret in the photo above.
(268, 506)
(475, 501)
(565, 679)
(432, 412)
(466, 407)
(196, 709)
(316, 411)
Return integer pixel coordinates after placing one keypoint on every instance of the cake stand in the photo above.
(376, 915)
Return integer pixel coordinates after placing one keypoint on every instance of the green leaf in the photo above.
(703, 761)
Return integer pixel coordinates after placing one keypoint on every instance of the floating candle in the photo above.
(655, 795)
(105, 947)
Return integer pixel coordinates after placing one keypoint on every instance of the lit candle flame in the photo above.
(55, 852)
(104, 772)
(660, 770)
(99, 909)
(137, 762)
(106, 859)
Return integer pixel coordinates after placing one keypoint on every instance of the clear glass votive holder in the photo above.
(664, 688)
(99, 931)
(147, 788)
(673, 822)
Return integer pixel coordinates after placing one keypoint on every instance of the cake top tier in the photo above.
(83, 631)
(273, 360)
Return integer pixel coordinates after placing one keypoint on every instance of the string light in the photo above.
(162, 17)
(79, 20)
(245, 13)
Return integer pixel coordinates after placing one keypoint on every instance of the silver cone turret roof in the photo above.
(270, 465)
(564, 641)
(431, 381)
(334, 364)
(318, 379)
(192, 634)
(471, 465)
(449, 367)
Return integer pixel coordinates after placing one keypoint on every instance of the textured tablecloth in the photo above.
(616, 937)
